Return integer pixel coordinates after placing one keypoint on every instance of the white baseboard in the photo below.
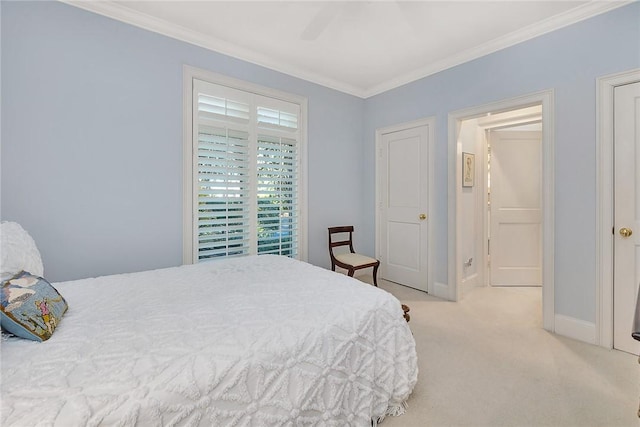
(470, 281)
(575, 328)
(440, 290)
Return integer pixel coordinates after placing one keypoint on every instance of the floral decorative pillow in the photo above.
(30, 307)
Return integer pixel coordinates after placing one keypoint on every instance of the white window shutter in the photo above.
(223, 171)
(277, 189)
(223, 192)
(247, 175)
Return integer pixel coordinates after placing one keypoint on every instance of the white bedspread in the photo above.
(253, 341)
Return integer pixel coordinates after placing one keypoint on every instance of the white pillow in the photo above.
(18, 251)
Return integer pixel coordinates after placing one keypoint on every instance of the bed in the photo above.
(251, 341)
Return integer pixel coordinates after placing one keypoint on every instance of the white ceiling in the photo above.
(358, 47)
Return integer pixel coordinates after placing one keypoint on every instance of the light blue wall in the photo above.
(568, 61)
(92, 140)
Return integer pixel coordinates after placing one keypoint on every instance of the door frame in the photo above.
(604, 201)
(430, 122)
(546, 99)
(485, 124)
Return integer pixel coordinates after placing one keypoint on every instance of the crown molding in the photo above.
(122, 13)
(564, 19)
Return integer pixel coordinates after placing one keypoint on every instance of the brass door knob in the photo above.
(626, 232)
(422, 216)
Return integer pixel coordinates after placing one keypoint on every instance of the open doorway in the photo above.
(512, 236)
(502, 230)
(503, 219)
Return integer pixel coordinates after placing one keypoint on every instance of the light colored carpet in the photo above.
(486, 361)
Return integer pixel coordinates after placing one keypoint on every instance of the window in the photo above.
(243, 170)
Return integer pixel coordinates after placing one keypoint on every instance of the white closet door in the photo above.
(626, 250)
(404, 204)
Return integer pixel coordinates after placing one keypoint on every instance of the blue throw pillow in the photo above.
(31, 307)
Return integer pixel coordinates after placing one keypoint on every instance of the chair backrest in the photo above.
(341, 229)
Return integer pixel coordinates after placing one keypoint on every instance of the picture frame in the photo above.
(468, 169)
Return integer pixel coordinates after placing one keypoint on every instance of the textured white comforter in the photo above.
(253, 341)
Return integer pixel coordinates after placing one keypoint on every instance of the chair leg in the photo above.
(375, 274)
(350, 273)
(333, 267)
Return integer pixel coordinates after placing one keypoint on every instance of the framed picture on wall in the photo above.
(468, 169)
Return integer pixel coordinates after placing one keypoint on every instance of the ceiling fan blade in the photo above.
(320, 22)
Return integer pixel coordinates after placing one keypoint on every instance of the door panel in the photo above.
(404, 198)
(516, 231)
(626, 250)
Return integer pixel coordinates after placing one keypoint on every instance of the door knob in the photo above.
(626, 232)
(422, 216)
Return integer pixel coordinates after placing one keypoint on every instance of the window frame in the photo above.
(189, 211)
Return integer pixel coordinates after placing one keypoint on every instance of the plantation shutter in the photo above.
(247, 173)
(223, 171)
(277, 174)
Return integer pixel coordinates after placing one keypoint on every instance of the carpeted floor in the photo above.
(486, 361)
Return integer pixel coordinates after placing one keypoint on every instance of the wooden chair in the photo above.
(351, 261)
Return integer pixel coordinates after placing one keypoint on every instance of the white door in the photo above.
(626, 249)
(515, 200)
(403, 207)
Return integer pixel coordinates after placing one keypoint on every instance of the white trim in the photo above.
(470, 282)
(122, 13)
(548, 137)
(440, 290)
(187, 167)
(575, 328)
(189, 74)
(580, 13)
(430, 122)
(483, 266)
(604, 202)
